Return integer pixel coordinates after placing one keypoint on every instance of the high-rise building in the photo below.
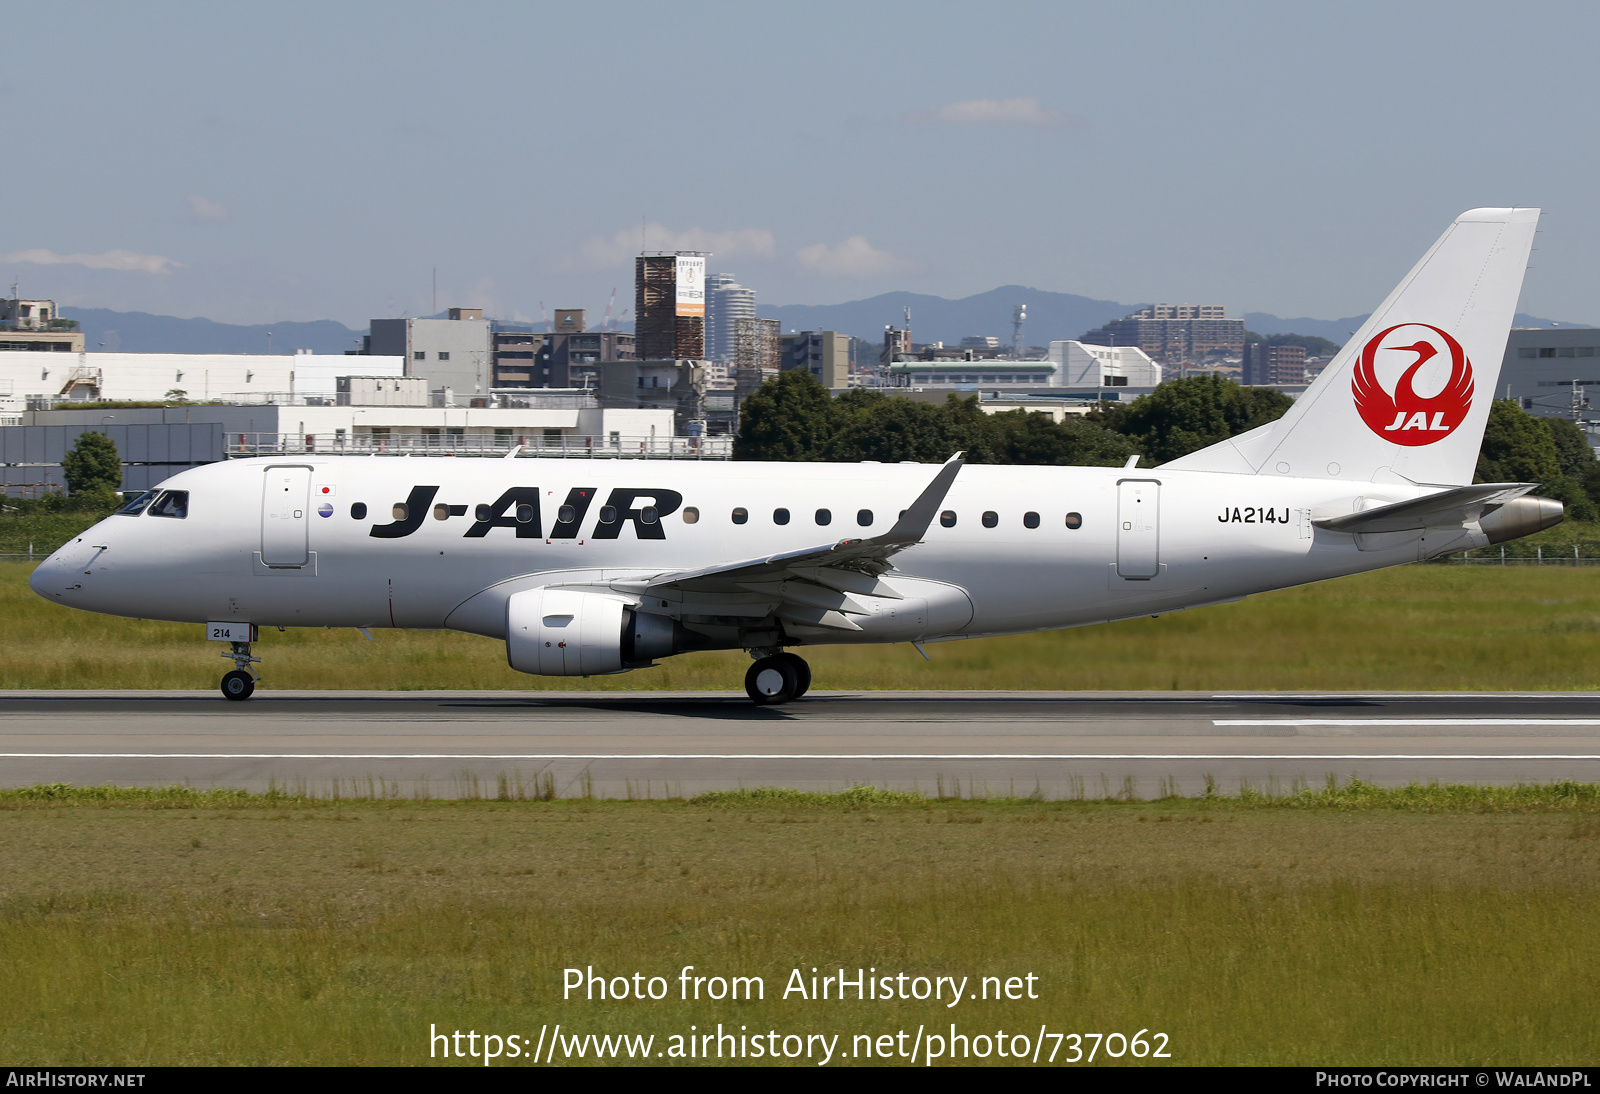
(1173, 332)
(670, 305)
(757, 353)
(1264, 364)
(823, 353)
(727, 302)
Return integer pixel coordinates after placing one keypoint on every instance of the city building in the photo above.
(678, 386)
(455, 354)
(727, 304)
(157, 442)
(670, 305)
(1551, 372)
(563, 358)
(1270, 365)
(896, 345)
(31, 381)
(824, 353)
(1174, 332)
(757, 353)
(1072, 365)
(35, 325)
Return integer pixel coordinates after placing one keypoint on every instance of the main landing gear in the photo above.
(241, 682)
(777, 678)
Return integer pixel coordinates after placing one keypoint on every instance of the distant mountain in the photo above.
(1340, 330)
(140, 332)
(1051, 316)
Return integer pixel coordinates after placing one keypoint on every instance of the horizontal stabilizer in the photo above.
(1446, 509)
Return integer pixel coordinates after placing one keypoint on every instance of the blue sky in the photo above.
(266, 162)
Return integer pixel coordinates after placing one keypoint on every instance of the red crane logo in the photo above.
(1403, 416)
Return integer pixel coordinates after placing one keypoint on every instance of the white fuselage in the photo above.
(1147, 541)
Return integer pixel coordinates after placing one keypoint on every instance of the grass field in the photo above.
(1416, 627)
(1357, 928)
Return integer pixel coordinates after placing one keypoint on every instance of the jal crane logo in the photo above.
(1402, 415)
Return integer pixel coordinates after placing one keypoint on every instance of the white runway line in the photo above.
(790, 756)
(1405, 721)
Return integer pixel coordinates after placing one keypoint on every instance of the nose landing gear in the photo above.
(776, 678)
(239, 684)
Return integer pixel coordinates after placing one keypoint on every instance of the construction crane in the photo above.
(547, 327)
(605, 324)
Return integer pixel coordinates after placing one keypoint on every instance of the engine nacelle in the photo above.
(573, 632)
(564, 632)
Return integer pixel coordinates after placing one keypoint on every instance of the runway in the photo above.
(657, 744)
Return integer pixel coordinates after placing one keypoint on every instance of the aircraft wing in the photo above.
(868, 557)
(1446, 509)
(814, 590)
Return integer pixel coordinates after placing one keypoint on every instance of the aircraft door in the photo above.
(1138, 528)
(286, 516)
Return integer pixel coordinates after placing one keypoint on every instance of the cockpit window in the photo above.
(171, 503)
(137, 505)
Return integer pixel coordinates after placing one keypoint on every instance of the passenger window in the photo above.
(608, 514)
(741, 515)
(358, 511)
(566, 515)
(780, 516)
(948, 518)
(400, 511)
(524, 513)
(990, 519)
(483, 512)
(171, 503)
(864, 517)
(824, 517)
(1030, 520)
(691, 515)
(1074, 520)
(649, 514)
(441, 512)
(137, 505)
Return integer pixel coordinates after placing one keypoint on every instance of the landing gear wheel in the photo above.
(238, 686)
(802, 672)
(772, 680)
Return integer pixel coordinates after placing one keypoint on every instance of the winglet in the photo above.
(913, 524)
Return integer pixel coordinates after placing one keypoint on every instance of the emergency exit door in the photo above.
(286, 516)
(1138, 529)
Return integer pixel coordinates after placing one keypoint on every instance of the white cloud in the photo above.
(206, 209)
(855, 257)
(109, 260)
(1029, 112)
(619, 249)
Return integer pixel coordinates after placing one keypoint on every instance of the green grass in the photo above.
(1349, 925)
(1417, 627)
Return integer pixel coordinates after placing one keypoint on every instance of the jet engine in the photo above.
(574, 632)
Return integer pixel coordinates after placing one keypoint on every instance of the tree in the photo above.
(1517, 447)
(92, 466)
(1184, 416)
(791, 417)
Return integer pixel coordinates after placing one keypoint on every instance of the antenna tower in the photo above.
(1018, 314)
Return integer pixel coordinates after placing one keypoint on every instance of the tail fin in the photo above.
(1406, 399)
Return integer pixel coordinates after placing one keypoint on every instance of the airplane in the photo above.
(592, 567)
